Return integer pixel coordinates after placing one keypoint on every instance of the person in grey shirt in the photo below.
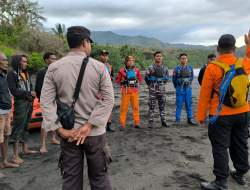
(91, 114)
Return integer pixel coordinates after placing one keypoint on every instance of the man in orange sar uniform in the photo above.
(231, 130)
(128, 78)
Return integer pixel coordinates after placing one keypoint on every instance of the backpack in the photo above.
(233, 91)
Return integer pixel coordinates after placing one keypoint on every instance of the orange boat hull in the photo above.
(36, 117)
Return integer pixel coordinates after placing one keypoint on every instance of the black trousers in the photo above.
(231, 132)
(98, 161)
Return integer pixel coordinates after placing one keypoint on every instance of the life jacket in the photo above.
(233, 91)
(184, 77)
(108, 68)
(159, 76)
(131, 79)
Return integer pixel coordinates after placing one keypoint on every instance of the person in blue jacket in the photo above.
(182, 79)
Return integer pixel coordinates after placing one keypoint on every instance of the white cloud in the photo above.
(193, 21)
(240, 41)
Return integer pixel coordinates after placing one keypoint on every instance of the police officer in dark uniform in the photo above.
(156, 77)
(182, 78)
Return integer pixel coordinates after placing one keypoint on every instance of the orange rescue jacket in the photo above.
(211, 82)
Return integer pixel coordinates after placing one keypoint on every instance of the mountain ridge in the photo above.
(111, 38)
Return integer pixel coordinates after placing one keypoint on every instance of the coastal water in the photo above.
(196, 72)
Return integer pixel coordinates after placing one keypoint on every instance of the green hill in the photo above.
(111, 38)
(188, 46)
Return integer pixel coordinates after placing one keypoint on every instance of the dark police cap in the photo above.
(226, 41)
(103, 52)
(79, 31)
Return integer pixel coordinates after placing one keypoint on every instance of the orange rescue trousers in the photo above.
(125, 99)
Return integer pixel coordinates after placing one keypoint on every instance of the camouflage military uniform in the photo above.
(157, 91)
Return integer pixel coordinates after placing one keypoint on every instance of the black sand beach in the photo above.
(143, 159)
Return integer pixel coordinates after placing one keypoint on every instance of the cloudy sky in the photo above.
(175, 21)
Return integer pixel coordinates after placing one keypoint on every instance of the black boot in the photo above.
(122, 128)
(137, 126)
(109, 128)
(191, 122)
(240, 179)
(177, 123)
(214, 185)
(150, 124)
(165, 124)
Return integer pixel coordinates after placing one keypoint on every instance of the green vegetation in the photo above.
(7, 51)
(22, 32)
(17, 14)
(144, 55)
(36, 62)
(59, 30)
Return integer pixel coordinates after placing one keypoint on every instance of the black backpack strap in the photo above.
(212, 94)
(79, 80)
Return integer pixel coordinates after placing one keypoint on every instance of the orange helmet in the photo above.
(127, 58)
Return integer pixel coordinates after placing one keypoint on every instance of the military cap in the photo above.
(79, 31)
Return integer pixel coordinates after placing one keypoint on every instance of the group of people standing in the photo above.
(19, 83)
(156, 77)
(96, 99)
(20, 86)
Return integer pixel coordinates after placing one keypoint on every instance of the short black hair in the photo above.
(76, 41)
(157, 53)
(47, 55)
(226, 44)
(211, 56)
(226, 50)
(183, 54)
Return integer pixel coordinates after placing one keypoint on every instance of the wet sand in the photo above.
(143, 159)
